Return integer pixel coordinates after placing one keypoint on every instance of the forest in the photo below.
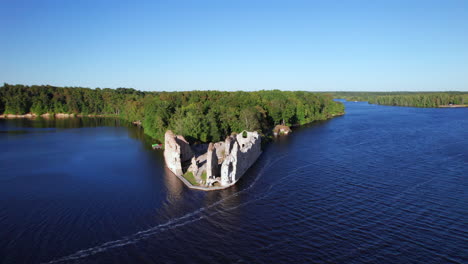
(414, 99)
(201, 116)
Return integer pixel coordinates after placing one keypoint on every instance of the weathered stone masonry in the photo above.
(177, 151)
(223, 162)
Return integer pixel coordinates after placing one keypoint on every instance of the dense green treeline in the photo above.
(198, 115)
(19, 99)
(416, 99)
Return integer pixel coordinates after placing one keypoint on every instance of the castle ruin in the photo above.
(214, 165)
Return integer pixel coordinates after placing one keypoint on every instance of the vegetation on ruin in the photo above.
(189, 177)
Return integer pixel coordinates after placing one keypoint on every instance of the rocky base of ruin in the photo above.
(211, 166)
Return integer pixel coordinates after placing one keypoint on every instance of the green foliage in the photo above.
(415, 99)
(156, 116)
(201, 116)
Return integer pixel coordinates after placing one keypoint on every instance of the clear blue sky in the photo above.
(236, 44)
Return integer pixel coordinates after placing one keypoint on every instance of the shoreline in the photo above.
(452, 106)
(47, 115)
(439, 106)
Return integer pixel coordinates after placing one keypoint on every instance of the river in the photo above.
(380, 184)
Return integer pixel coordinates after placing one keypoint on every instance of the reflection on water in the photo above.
(173, 184)
(53, 125)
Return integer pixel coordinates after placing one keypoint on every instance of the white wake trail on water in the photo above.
(176, 222)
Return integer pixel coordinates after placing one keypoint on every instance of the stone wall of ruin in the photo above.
(176, 152)
(244, 153)
(226, 161)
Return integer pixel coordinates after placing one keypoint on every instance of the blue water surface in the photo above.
(380, 184)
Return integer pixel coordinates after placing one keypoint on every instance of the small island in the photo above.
(211, 166)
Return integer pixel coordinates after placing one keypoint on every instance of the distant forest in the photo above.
(416, 99)
(201, 116)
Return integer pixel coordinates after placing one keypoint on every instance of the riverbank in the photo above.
(452, 106)
(47, 115)
(439, 106)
